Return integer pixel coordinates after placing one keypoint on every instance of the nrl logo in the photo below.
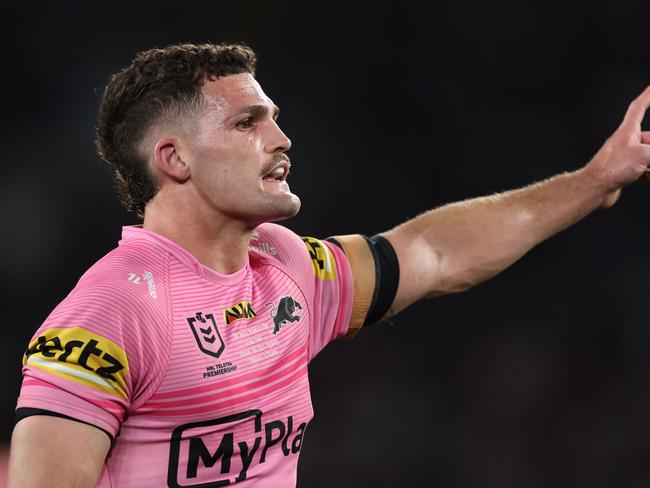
(286, 312)
(207, 334)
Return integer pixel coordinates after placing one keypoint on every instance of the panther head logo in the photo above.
(285, 313)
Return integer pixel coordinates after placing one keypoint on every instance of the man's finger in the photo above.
(636, 111)
(645, 137)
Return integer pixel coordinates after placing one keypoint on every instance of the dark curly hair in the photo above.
(159, 83)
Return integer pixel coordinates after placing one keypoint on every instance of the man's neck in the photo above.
(220, 244)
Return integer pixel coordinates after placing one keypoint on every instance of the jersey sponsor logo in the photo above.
(286, 312)
(216, 457)
(322, 259)
(79, 355)
(151, 284)
(134, 278)
(242, 311)
(261, 246)
(149, 279)
(206, 333)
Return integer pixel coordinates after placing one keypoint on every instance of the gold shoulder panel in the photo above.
(362, 265)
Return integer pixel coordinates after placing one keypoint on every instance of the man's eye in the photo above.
(245, 124)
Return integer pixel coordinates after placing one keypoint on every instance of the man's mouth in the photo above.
(279, 172)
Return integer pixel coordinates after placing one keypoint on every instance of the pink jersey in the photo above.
(200, 378)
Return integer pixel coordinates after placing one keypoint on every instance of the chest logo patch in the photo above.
(241, 311)
(286, 312)
(206, 333)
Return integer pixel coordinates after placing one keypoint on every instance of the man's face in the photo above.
(236, 155)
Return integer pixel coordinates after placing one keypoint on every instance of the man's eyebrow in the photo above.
(256, 111)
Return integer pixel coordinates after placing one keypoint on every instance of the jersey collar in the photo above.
(136, 232)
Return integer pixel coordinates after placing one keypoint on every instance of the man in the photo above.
(180, 358)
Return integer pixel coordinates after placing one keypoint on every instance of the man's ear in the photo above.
(168, 160)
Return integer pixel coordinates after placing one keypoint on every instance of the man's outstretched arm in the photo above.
(456, 246)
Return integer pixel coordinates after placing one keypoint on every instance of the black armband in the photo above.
(387, 273)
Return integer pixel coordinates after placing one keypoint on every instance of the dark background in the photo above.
(538, 378)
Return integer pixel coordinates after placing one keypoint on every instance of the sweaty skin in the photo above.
(213, 190)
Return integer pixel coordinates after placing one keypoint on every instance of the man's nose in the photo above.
(277, 140)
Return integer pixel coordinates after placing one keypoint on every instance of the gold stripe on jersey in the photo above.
(81, 356)
(362, 265)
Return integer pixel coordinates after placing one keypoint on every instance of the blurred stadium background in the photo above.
(539, 378)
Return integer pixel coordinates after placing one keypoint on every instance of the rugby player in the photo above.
(180, 358)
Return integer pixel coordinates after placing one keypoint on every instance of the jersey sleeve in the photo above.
(338, 282)
(86, 361)
(330, 276)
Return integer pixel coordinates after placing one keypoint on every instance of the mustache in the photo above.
(275, 160)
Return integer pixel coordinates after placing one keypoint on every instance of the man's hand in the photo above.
(625, 156)
(454, 247)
